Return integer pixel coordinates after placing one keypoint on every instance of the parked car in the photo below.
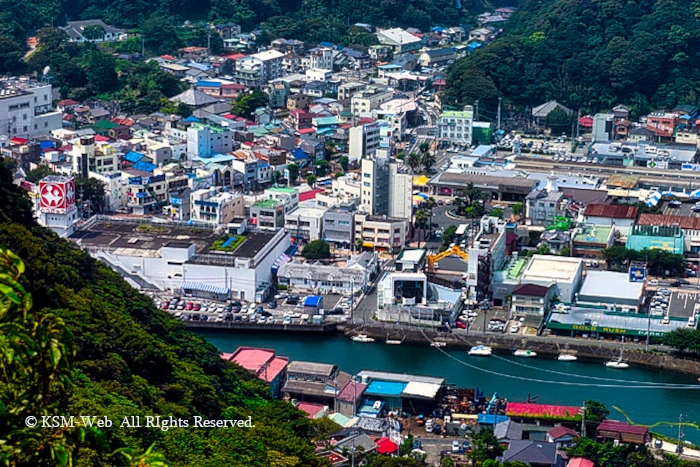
(429, 425)
(287, 320)
(197, 306)
(166, 305)
(438, 429)
(455, 446)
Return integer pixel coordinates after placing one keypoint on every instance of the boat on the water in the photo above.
(618, 364)
(362, 338)
(567, 357)
(480, 350)
(524, 353)
(393, 342)
(438, 344)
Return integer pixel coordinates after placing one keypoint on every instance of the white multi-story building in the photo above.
(322, 57)
(386, 188)
(213, 206)
(257, 69)
(381, 232)
(57, 208)
(319, 74)
(364, 141)
(88, 157)
(25, 109)
(364, 102)
(305, 223)
(456, 126)
(206, 140)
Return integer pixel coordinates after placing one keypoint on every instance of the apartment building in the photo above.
(257, 69)
(364, 140)
(206, 140)
(456, 126)
(364, 102)
(381, 232)
(213, 206)
(25, 109)
(268, 213)
(386, 188)
(146, 195)
(322, 57)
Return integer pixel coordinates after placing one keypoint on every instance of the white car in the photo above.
(514, 329)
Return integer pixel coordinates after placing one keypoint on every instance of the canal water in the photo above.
(547, 378)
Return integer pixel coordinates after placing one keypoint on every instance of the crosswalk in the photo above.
(389, 268)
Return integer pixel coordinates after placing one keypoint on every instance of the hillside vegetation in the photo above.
(588, 54)
(113, 353)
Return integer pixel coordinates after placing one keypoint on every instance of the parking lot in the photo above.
(673, 209)
(683, 304)
(286, 309)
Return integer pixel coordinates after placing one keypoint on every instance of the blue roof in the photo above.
(133, 157)
(491, 419)
(199, 66)
(326, 44)
(386, 388)
(473, 45)
(192, 119)
(47, 144)
(215, 158)
(313, 300)
(208, 84)
(389, 66)
(299, 153)
(144, 166)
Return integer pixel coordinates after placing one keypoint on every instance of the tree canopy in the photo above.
(316, 249)
(587, 55)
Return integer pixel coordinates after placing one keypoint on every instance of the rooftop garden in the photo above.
(228, 243)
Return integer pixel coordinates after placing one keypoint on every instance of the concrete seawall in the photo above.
(635, 354)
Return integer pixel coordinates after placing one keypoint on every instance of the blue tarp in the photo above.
(312, 300)
(385, 388)
(145, 166)
(299, 154)
(491, 419)
(133, 157)
(47, 144)
(192, 119)
(326, 44)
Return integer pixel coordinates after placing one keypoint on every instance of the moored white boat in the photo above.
(362, 338)
(438, 344)
(524, 353)
(618, 364)
(393, 342)
(567, 357)
(480, 350)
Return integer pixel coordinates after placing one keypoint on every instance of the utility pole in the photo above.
(577, 125)
(143, 47)
(209, 42)
(583, 420)
(476, 109)
(499, 113)
(352, 300)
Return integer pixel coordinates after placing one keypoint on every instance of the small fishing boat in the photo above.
(393, 342)
(438, 344)
(362, 338)
(617, 364)
(480, 351)
(567, 357)
(524, 353)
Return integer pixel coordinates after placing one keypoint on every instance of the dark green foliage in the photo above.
(245, 104)
(658, 261)
(293, 172)
(317, 249)
(484, 447)
(133, 359)
(588, 55)
(160, 35)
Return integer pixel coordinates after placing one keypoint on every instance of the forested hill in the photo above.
(131, 359)
(589, 54)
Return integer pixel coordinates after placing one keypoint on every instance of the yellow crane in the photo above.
(455, 250)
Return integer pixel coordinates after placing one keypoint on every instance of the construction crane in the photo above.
(455, 250)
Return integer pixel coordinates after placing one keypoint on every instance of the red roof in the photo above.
(561, 431)
(352, 390)
(233, 56)
(439, 82)
(365, 120)
(613, 211)
(552, 412)
(687, 223)
(311, 409)
(305, 131)
(586, 121)
(168, 57)
(102, 139)
(262, 362)
(311, 194)
(66, 102)
(17, 140)
(580, 462)
(232, 86)
(386, 446)
(621, 427)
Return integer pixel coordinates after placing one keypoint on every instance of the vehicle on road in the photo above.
(455, 446)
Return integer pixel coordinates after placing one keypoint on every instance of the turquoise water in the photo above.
(643, 405)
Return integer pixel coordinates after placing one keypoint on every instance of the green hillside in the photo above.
(588, 54)
(131, 359)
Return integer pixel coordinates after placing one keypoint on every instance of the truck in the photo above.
(317, 319)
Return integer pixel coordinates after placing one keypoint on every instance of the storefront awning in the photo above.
(205, 288)
(368, 244)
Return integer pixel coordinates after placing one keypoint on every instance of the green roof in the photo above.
(105, 125)
(593, 235)
(455, 113)
(268, 204)
(282, 190)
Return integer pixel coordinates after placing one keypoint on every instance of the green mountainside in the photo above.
(588, 54)
(131, 359)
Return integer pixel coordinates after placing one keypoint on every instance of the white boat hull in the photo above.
(617, 365)
(393, 342)
(480, 351)
(362, 338)
(524, 353)
(567, 358)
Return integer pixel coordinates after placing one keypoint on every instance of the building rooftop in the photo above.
(685, 222)
(634, 324)
(593, 234)
(531, 290)
(613, 211)
(552, 268)
(620, 427)
(262, 362)
(400, 377)
(610, 284)
(411, 256)
(266, 204)
(312, 368)
(543, 411)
